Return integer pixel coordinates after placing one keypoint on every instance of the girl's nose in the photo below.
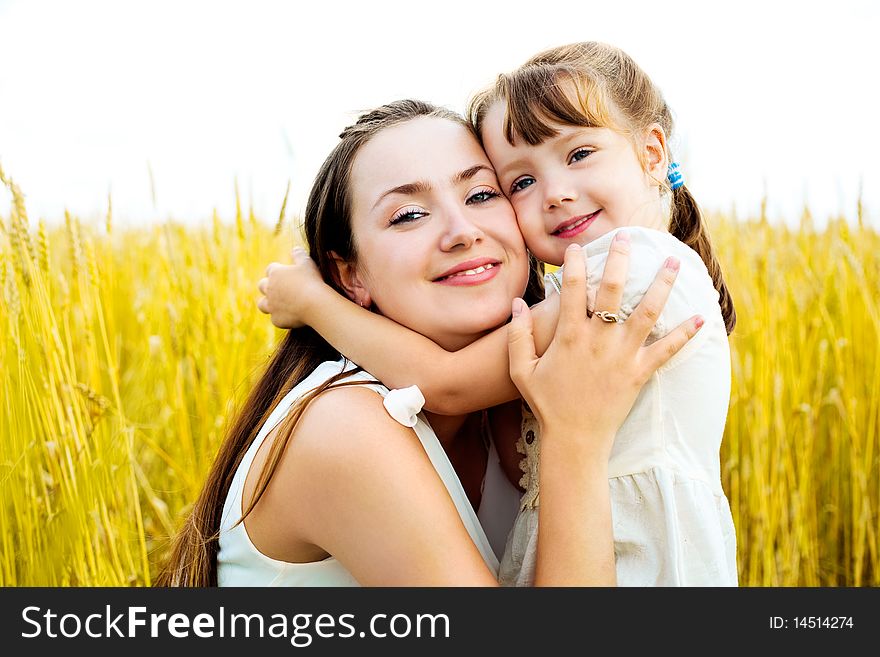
(558, 194)
(460, 231)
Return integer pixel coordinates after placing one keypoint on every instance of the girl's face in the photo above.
(577, 185)
(438, 248)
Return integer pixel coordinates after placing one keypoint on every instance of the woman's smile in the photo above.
(470, 272)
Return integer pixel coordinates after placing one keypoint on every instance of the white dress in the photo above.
(240, 563)
(672, 522)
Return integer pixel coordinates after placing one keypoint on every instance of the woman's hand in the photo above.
(581, 390)
(291, 292)
(590, 375)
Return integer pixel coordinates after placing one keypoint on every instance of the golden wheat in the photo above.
(124, 352)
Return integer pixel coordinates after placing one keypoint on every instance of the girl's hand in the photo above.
(291, 292)
(593, 370)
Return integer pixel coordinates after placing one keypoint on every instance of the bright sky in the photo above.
(94, 95)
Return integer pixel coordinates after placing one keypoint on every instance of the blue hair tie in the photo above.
(673, 175)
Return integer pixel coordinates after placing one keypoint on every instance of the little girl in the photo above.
(578, 137)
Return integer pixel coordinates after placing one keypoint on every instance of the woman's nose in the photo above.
(460, 231)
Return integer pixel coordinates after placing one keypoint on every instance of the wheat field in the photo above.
(124, 352)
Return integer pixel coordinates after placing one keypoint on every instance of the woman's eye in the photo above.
(521, 183)
(482, 196)
(580, 154)
(407, 215)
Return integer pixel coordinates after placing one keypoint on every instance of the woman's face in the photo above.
(438, 248)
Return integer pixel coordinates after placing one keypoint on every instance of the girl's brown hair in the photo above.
(327, 227)
(596, 85)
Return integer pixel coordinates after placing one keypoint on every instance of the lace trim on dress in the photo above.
(528, 445)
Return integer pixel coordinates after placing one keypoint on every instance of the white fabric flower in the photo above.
(404, 404)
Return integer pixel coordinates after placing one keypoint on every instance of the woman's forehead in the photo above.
(417, 139)
(424, 149)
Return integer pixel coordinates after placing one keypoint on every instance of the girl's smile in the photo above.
(575, 225)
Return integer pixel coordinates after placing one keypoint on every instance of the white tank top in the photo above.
(240, 563)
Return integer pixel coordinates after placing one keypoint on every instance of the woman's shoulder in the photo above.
(354, 407)
(347, 431)
(343, 434)
(347, 467)
(345, 413)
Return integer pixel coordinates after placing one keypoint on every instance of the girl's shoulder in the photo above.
(649, 250)
(644, 242)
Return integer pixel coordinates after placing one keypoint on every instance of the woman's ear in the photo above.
(655, 153)
(346, 276)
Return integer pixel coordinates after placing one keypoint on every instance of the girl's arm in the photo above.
(371, 498)
(295, 295)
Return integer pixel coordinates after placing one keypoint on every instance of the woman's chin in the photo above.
(476, 324)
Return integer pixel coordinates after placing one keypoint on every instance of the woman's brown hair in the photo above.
(327, 227)
(593, 84)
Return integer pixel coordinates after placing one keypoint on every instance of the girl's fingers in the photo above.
(262, 285)
(573, 304)
(614, 277)
(659, 353)
(521, 343)
(263, 305)
(646, 314)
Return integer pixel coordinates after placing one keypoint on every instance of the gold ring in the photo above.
(605, 316)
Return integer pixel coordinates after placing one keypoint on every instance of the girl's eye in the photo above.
(580, 154)
(406, 215)
(482, 196)
(521, 183)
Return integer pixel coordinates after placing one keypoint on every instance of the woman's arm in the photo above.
(295, 295)
(581, 390)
